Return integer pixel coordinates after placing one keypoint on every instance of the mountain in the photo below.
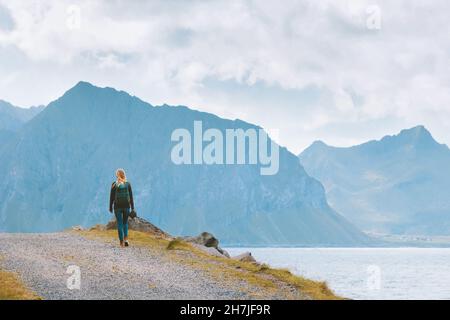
(399, 184)
(58, 169)
(12, 119)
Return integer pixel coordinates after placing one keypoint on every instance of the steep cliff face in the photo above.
(58, 171)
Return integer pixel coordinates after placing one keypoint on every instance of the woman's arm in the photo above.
(112, 195)
(131, 196)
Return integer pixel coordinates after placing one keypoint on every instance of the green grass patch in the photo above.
(177, 244)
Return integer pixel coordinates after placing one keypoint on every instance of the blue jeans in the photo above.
(122, 221)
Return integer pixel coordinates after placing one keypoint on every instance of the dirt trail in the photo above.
(109, 272)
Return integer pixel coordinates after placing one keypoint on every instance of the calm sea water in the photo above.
(367, 273)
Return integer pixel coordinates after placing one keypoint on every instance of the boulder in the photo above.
(206, 239)
(245, 257)
(140, 224)
(224, 252)
(210, 250)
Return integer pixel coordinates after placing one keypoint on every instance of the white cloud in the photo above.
(367, 82)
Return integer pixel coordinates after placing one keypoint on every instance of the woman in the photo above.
(122, 198)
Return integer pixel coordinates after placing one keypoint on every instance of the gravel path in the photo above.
(107, 271)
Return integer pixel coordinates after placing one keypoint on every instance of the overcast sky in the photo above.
(340, 71)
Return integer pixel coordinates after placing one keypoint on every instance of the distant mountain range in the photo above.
(12, 118)
(58, 167)
(399, 184)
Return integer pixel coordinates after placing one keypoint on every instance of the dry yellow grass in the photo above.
(263, 276)
(138, 238)
(257, 274)
(11, 288)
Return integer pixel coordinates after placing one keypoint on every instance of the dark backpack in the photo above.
(122, 199)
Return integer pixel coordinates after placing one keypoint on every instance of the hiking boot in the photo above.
(126, 243)
(121, 243)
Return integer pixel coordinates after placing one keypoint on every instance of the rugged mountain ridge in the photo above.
(399, 184)
(59, 167)
(12, 118)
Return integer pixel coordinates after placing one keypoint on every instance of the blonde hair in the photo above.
(121, 176)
